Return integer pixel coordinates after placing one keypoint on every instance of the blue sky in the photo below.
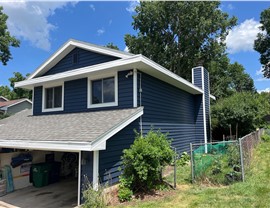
(43, 27)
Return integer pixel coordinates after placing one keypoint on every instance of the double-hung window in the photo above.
(103, 92)
(53, 98)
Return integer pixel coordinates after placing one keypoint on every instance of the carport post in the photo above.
(95, 169)
(79, 178)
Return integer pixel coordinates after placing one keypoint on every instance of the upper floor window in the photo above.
(53, 98)
(103, 92)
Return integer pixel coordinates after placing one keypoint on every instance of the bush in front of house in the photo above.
(93, 198)
(143, 163)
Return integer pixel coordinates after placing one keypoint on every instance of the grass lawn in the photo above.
(254, 192)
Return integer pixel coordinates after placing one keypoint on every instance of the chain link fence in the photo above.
(223, 162)
(247, 145)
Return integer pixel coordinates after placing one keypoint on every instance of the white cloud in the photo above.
(230, 7)
(241, 37)
(265, 90)
(132, 6)
(29, 20)
(260, 71)
(100, 31)
(126, 49)
(92, 7)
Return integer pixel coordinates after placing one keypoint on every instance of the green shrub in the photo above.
(93, 198)
(124, 194)
(265, 137)
(144, 160)
(184, 159)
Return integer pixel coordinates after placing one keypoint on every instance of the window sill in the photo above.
(102, 105)
(52, 110)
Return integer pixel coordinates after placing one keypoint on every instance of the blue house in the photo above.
(88, 100)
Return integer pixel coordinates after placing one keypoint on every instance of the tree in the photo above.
(245, 109)
(6, 40)
(262, 43)
(15, 93)
(112, 46)
(180, 35)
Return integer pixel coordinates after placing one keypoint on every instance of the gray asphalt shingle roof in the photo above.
(79, 127)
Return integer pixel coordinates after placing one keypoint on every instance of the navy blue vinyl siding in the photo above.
(37, 101)
(75, 96)
(169, 109)
(197, 77)
(84, 58)
(86, 169)
(110, 159)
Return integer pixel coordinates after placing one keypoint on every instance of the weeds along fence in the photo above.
(247, 145)
(223, 162)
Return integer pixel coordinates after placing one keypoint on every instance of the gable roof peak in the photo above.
(68, 47)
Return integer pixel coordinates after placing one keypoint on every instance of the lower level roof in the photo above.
(72, 131)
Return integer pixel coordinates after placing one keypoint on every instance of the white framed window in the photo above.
(53, 98)
(103, 91)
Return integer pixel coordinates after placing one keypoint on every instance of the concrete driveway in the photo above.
(62, 194)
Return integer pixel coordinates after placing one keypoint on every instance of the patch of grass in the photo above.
(254, 192)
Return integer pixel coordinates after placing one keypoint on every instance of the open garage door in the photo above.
(50, 179)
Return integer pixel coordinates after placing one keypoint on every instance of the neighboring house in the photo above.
(14, 106)
(89, 99)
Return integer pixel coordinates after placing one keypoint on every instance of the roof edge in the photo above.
(70, 45)
(105, 136)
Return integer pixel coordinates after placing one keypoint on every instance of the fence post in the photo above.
(241, 159)
(191, 163)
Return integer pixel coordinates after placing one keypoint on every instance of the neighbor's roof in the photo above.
(13, 102)
(74, 131)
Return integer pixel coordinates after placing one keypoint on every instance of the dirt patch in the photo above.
(142, 196)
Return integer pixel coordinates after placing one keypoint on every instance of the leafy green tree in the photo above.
(180, 35)
(262, 43)
(19, 92)
(6, 40)
(15, 93)
(6, 92)
(112, 46)
(245, 109)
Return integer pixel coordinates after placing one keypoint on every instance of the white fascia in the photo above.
(72, 146)
(68, 47)
(122, 64)
(114, 130)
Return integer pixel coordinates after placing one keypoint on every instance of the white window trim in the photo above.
(44, 110)
(89, 93)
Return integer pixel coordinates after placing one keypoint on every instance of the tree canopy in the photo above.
(6, 40)
(262, 43)
(180, 35)
(112, 46)
(245, 109)
(15, 93)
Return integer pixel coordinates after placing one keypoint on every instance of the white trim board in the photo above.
(137, 61)
(68, 47)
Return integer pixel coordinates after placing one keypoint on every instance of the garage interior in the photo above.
(39, 178)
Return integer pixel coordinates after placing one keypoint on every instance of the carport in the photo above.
(83, 133)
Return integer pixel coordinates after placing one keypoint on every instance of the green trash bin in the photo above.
(40, 174)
